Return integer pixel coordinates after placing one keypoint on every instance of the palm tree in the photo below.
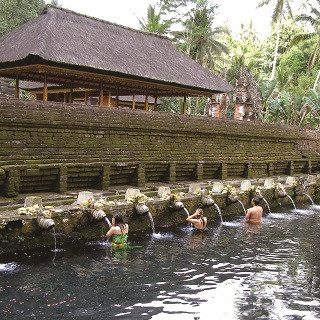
(282, 8)
(284, 77)
(200, 38)
(314, 20)
(266, 89)
(154, 23)
(304, 5)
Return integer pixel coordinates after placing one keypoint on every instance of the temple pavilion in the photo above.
(79, 57)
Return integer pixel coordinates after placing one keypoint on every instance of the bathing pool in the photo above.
(232, 271)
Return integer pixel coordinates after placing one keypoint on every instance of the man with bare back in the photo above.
(254, 214)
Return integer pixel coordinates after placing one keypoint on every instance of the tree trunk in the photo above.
(276, 49)
(317, 80)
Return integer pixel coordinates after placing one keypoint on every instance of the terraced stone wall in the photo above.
(59, 147)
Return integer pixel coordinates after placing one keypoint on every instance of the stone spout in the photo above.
(141, 209)
(300, 189)
(178, 205)
(206, 200)
(233, 198)
(280, 194)
(46, 223)
(99, 215)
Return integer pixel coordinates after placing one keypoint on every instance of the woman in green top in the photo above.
(118, 232)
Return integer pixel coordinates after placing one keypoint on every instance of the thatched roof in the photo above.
(65, 39)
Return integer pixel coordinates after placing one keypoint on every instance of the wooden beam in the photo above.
(133, 102)
(177, 90)
(146, 103)
(45, 88)
(16, 88)
(61, 89)
(101, 94)
(184, 107)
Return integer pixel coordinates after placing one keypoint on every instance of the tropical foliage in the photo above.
(13, 13)
(284, 65)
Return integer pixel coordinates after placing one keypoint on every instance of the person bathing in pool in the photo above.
(254, 214)
(118, 232)
(198, 220)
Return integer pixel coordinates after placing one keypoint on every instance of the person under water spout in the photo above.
(118, 232)
(198, 220)
(254, 214)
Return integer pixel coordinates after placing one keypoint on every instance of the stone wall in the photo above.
(59, 147)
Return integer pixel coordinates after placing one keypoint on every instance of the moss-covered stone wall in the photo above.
(59, 147)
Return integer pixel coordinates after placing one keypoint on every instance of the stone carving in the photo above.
(247, 97)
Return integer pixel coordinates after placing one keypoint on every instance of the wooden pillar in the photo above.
(155, 103)
(184, 107)
(86, 96)
(45, 88)
(133, 102)
(117, 98)
(109, 98)
(146, 103)
(71, 93)
(101, 94)
(16, 89)
(65, 97)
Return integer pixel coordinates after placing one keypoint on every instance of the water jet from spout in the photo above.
(292, 202)
(267, 204)
(108, 222)
(219, 211)
(186, 211)
(151, 222)
(312, 202)
(244, 209)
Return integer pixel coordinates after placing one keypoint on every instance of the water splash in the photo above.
(231, 224)
(99, 243)
(292, 202)
(312, 203)
(267, 204)
(244, 209)
(151, 222)
(8, 267)
(108, 222)
(280, 215)
(162, 236)
(219, 211)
